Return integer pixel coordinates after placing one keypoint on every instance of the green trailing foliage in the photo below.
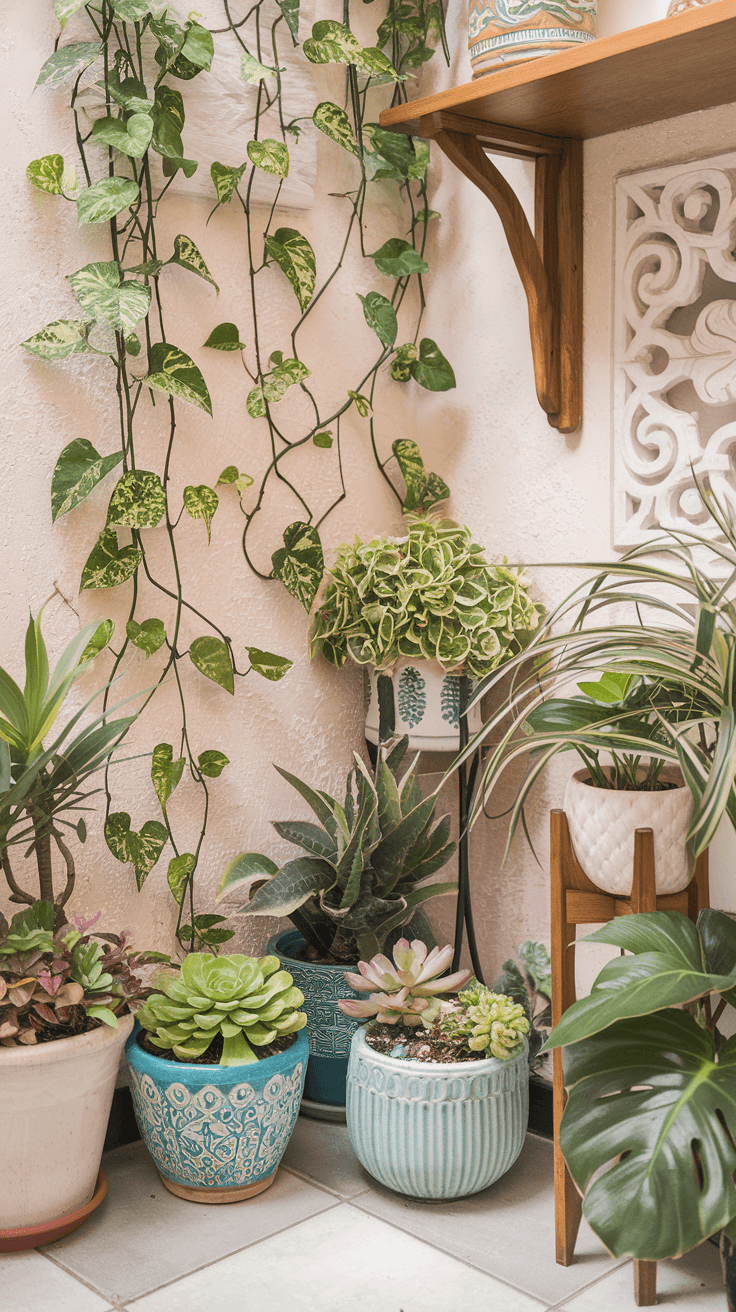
(366, 866)
(431, 595)
(247, 1003)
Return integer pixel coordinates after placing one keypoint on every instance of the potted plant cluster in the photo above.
(656, 730)
(649, 1128)
(218, 1059)
(364, 877)
(65, 994)
(421, 611)
(426, 1074)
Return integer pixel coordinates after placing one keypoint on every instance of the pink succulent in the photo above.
(401, 988)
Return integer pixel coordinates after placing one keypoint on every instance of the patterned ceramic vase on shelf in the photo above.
(507, 32)
(427, 707)
(680, 6)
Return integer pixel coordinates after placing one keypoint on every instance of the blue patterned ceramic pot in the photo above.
(435, 1130)
(217, 1133)
(507, 32)
(427, 707)
(329, 1030)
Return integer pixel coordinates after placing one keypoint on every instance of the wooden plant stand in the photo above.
(577, 901)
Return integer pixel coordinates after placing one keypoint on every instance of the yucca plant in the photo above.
(431, 595)
(367, 863)
(40, 785)
(671, 674)
(406, 990)
(244, 1001)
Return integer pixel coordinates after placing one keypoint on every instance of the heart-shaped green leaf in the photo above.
(270, 156)
(423, 490)
(267, 664)
(431, 369)
(225, 180)
(105, 199)
(290, 10)
(149, 636)
(131, 136)
(171, 370)
(143, 848)
(201, 503)
(225, 337)
(100, 290)
(78, 470)
(168, 121)
(166, 773)
(58, 339)
(177, 875)
(253, 71)
(188, 256)
(139, 500)
(324, 439)
(99, 640)
(109, 565)
(380, 316)
(336, 125)
(299, 564)
(47, 173)
(67, 60)
(212, 763)
(295, 257)
(212, 658)
(398, 259)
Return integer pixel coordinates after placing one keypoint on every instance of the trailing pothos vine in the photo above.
(127, 108)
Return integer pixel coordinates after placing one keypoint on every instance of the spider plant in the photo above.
(675, 662)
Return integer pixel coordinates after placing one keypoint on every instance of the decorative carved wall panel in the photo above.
(675, 345)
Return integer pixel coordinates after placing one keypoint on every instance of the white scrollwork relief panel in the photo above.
(675, 346)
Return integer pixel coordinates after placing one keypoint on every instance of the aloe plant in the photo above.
(406, 990)
(244, 1001)
(366, 865)
(431, 595)
(40, 786)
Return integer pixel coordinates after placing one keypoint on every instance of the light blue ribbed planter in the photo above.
(217, 1133)
(436, 1131)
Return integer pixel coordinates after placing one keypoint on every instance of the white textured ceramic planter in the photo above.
(55, 1103)
(436, 1130)
(602, 824)
(427, 704)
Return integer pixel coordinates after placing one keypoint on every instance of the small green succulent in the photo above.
(246, 1001)
(489, 1022)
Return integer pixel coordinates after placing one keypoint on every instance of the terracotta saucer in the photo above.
(24, 1237)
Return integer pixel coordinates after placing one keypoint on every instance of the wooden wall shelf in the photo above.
(542, 111)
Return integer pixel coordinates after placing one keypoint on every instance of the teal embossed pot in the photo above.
(329, 1030)
(436, 1130)
(217, 1133)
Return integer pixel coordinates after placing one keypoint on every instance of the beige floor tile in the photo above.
(340, 1261)
(508, 1230)
(323, 1153)
(692, 1284)
(29, 1282)
(142, 1236)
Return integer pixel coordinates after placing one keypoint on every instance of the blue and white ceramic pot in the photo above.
(329, 1030)
(217, 1133)
(507, 32)
(436, 1130)
(427, 707)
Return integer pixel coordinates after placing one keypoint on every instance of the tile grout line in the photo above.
(309, 1179)
(109, 1298)
(560, 1306)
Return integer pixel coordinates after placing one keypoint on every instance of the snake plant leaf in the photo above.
(391, 852)
(430, 853)
(380, 316)
(667, 969)
(336, 125)
(47, 174)
(644, 1097)
(247, 869)
(300, 564)
(178, 873)
(423, 490)
(226, 181)
(168, 121)
(58, 339)
(187, 256)
(78, 470)
(103, 200)
(270, 156)
(131, 136)
(138, 501)
(310, 837)
(143, 848)
(99, 640)
(101, 292)
(149, 635)
(431, 370)
(293, 884)
(225, 337)
(201, 503)
(171, 370)
(108, 564)
(166, 773)
(290, 10)
(295, 257)
(267, 664)
(398, 259)
(212, 763)
(253, 71)
(67, 60)
(325, 808)
(212, 658)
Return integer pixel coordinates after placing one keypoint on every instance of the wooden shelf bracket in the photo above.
(550, 259)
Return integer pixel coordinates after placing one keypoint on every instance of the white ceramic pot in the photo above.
(602, 823)
(427, 703)
(55, 1103)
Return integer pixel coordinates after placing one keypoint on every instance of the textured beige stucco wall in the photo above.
(527, 492)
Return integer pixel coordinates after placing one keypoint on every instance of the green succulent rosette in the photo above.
(248, 1001)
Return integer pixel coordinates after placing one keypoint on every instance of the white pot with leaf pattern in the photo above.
(427, 707)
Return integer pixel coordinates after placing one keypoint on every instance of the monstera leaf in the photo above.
(648, 1101)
